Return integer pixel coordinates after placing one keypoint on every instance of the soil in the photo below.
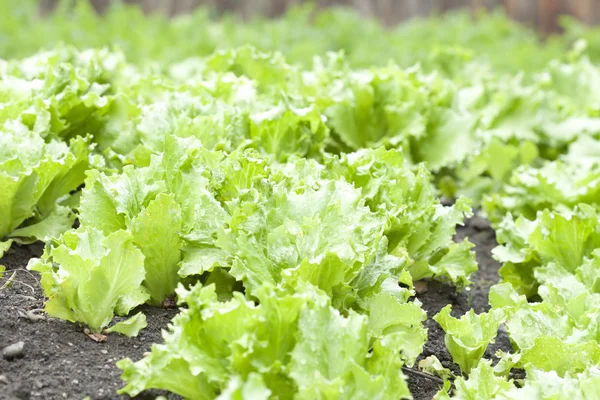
(439, 294)
(60, 362)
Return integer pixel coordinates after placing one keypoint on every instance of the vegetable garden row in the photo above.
(282, 181)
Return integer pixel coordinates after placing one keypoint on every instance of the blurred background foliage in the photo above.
(369, 33)
(541, 14)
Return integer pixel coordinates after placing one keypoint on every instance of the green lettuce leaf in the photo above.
(417, 222)
(432, 365)
(156, 233)
(467, 338)
(89, 277)
(35, 176)
(558, 185)
(481, 384)
(564, 238)
(542, 385)
(283, 345)
(131, 327)
(5, 246)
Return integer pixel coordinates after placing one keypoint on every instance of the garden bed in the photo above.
(59, 361)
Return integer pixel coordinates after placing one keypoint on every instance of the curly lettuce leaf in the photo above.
(131, 327)
(559, 333)
(481, 384)
(558, 185)
(155, 232)
(36, 176)
(562, 237)
(417, 222)
(282, 345)
(89, 277)
(542, 385)
(467, 338)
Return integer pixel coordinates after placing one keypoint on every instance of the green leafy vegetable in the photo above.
(291, 344)
(468, 337)
(288, 183)
(5, 246)
(558, 185)
(90, 277)
(481, 384)
(565, 238)
(433, 366)
(35, 175)
(131, 326)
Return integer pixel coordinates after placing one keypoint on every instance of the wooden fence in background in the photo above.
(539, 14)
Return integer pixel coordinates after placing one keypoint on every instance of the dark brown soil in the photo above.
(60, 362)
(438, 295)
